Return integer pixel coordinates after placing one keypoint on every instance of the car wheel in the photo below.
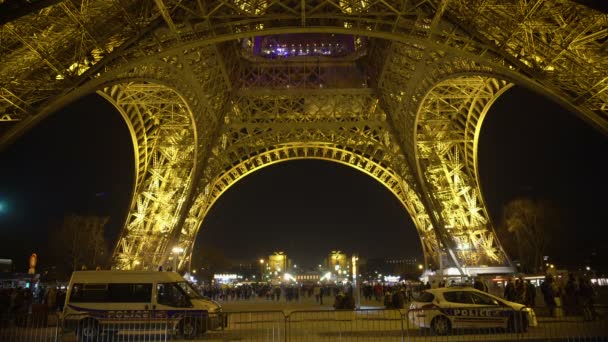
(441, 325)
(88, 330)
(188, 328)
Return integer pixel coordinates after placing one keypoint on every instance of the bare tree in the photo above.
(210, 260)
(529, 222)
(79, 242)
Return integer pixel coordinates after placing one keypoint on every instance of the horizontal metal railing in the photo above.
(312, 325)
(25, 326)
(345, 325)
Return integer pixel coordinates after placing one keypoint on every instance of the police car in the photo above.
(444, 309)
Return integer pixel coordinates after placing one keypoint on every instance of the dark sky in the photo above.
(80, 161)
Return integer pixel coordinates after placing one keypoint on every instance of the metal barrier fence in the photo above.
(29, 327)
(345, 325)
(315, 325)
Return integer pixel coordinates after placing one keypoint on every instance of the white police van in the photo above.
(120, 302)
(444, 309)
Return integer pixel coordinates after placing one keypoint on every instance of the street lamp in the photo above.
(261, 269)
(177, 251)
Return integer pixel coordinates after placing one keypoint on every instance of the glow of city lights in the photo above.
(288, 277)
(588, 268)
(420, 266)
(177, 250)
(261, 261)
(392, 279)
(326, 276)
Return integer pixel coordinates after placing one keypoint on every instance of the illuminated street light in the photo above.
(588, 268)
(420, 266)
(262, 268)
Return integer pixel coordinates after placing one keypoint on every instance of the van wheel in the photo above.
(188, 328)
(88, 330)
(441, 325)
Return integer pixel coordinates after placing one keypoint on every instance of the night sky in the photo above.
(80, 160)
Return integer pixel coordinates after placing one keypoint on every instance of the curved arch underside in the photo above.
(162, 130)
(204, 110)
(312, 150)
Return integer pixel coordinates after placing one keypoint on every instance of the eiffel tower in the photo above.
(214, 90)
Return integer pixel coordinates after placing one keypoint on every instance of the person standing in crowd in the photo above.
(570, 295)
(520, 290)
(586, 294)
(530, 297)
(50, 298)
(321, 290)
(510, 293)
(548, 290)
(478, 284)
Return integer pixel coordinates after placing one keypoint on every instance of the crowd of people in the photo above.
(574, 296)
(20, 303)
(391, 295)
(270, 292)
(571, 295)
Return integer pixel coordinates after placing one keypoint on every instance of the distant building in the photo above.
(278, 262)
(336, 260)
(6, 265)
(308, 277)
(244, 269)
(404, 267)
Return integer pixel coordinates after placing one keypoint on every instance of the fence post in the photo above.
(286, 326)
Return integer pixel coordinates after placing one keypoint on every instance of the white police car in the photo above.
(444, 309)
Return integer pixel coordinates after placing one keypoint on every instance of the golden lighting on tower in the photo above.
(252, 7)
(353, 6)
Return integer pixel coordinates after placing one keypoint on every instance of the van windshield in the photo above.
(189, 290)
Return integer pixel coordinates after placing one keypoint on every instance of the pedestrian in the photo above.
(50, 299)
(479, 285)
(510, 293)
(321, 290)
(530, 292)
(548, 292)
(586, 294)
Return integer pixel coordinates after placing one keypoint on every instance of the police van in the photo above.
(445, 309)
(122, 302)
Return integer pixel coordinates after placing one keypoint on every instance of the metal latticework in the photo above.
(214, 90)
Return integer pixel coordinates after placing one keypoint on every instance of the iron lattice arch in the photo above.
(205, 108)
